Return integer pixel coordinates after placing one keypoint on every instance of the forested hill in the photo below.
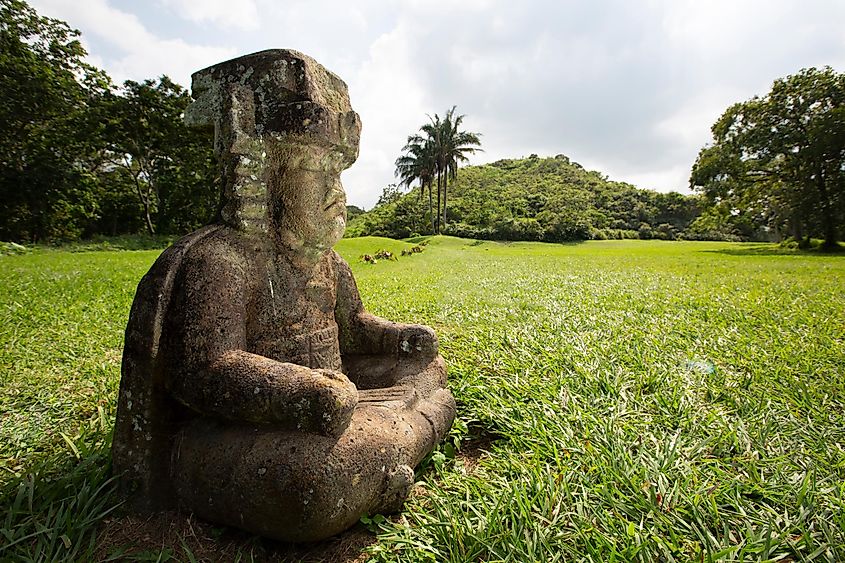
(549, 199)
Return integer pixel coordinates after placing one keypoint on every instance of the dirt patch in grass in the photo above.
(184, 537)
(473, 449)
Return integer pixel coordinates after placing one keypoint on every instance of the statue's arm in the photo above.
(364, 334)
(218, 377)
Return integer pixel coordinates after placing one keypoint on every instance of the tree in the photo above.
(390, 194)
(49, 143)
(419, 163)
(353, 211)
(432, 131)
(436, 154)
(453, 147)
(74, 152)
(171, 166)
(778, 162)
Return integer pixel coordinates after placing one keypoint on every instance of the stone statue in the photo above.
(256, 391)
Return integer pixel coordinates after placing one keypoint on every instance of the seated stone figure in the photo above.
(256, 391)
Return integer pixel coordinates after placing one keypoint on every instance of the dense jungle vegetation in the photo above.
(80, 156)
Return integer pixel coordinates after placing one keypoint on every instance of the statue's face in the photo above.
(310, 211)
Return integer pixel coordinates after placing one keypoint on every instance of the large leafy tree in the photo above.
(434, 154)
(170, 166)
(778, 161)
(49, 142)
(79, 157)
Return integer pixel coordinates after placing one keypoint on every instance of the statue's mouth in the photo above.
(338, 200)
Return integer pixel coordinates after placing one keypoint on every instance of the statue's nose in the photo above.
(199, 113)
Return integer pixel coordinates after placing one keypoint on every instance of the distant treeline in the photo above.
(80, 156)
(541, 199)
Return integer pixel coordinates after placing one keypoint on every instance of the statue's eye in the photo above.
(308, 162)
(332, 160)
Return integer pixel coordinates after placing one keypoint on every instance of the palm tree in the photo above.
(454, 146)
(436, 153)
(418, 164)
(433, 132)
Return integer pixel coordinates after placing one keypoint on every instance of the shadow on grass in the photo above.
(768, 249)
(178, 536)
(122, 242)
(96, 244)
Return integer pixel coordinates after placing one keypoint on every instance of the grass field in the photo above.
(618, 401)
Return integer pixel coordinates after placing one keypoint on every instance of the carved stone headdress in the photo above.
(265, 107)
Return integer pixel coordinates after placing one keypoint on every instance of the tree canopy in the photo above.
(777, 162)
(48, 142)
(79, 156)
(170, 166)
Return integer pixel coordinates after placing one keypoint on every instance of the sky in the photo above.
(626, 87)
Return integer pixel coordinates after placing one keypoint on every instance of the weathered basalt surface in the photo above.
(256, 391)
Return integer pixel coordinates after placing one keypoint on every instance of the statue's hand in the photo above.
(417, 342)
(337, 398)
(314, 400)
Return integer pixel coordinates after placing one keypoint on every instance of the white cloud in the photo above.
(671, 179)
(684, 131)
(627, 88)
(242, 14)
(387, 94)
(133, 51)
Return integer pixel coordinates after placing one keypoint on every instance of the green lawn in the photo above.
(618, 400)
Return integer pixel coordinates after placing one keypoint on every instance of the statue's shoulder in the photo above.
(156, 287)
(212, 248)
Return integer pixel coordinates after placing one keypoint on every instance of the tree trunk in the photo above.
(145, 201)
(430, 207)
(437, 220)
(830, 237)
(829, 226)
(149, 220)
(797, 231)
(445, 189)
